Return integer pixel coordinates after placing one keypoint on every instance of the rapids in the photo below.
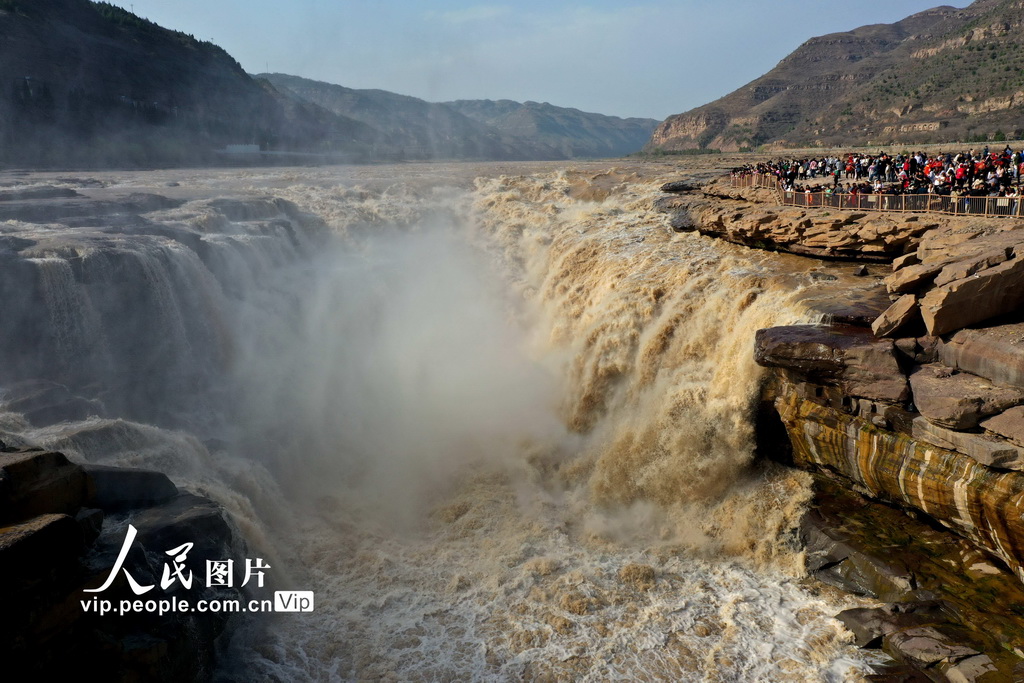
(497, 417)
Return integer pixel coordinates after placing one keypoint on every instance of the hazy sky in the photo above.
(650, 59)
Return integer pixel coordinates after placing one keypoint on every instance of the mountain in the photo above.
(92, 83)
(89, 83)
(406, 127)
(568, 133)
(481, 129)
(940, 75)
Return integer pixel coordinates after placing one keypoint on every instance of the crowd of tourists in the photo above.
(971, 173)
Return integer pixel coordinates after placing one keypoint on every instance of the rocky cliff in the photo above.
(118, 319)
(943, 74)
(911, 394)
(53, 515)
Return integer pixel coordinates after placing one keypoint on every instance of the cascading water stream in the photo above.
(503, 434)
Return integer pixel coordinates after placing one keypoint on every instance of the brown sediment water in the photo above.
(500, 424)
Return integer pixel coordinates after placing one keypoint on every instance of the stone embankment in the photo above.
(922, 411)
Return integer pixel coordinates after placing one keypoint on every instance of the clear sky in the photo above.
(650, 58)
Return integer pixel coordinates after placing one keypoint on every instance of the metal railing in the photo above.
(900, 203)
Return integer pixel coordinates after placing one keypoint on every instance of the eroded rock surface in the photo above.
(840, 355)
(958, 400)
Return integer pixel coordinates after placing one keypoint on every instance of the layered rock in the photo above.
(919, 406)
(995, 353)
(841, 355)
(978, 502)
(751, 217)
(944, 613)
(927, 78)
(958, 400)
(958, 279)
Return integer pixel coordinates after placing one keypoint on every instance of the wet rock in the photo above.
(817, 275)
(897, 673)
(978, 502)
(187, 518)
(870, 624)
(951, 592)
(37, 482)
(115, 489)
(679, 186)
(44, 403)
(248, 209)
(925, 646)
(669, 203)
(681, 221)
(45, 192)
(977, 669)
(958, 400)
(835, 561)
(146, 202)
(33, 552)
(91, 522)
(902, 318)
(867, 624)
(171, 647)
(846, 356)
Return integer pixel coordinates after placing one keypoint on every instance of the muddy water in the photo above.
(497, 418)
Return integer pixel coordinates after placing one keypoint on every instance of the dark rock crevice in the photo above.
(52, 548)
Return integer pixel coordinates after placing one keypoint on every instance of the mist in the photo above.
(457, 416)
(387, 369)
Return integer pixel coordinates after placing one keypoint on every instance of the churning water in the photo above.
(501, 428)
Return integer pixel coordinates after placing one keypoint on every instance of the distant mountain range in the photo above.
(940, 75)
(89, 83)
(560, 133)
(412, 128)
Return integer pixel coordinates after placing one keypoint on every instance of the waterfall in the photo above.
(501, 431)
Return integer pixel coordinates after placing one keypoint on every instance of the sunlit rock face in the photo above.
(978, 502)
